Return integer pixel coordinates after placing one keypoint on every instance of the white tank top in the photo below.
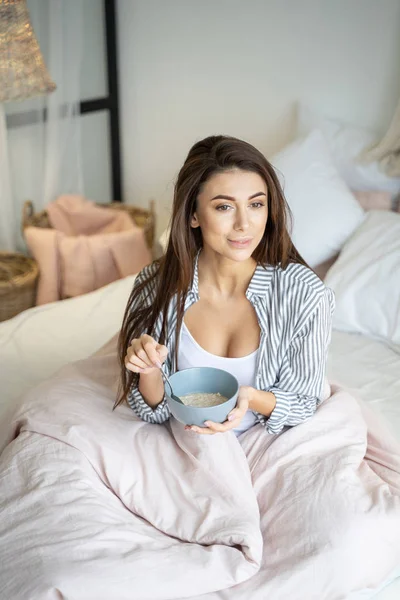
(191, 354)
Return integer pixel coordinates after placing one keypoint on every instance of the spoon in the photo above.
(176, 398)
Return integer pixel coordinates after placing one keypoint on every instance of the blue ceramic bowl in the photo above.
(206, 380)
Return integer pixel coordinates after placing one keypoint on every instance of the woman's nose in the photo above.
(242, 220)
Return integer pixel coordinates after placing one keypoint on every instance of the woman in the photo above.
(230, 292)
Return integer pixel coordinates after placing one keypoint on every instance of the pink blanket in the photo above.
(97, 505)
(88, 247)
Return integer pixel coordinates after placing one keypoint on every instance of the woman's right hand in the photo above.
(144, 355)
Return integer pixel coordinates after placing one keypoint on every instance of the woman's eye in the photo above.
(225, 207)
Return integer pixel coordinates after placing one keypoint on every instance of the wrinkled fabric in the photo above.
(97, 504)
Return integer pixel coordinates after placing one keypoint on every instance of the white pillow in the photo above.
(40, 340)
(325, 212)
(345, 143)
(366, 279)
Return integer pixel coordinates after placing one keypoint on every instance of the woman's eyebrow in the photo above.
(222, 197)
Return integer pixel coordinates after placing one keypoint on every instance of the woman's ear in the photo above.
(194, 221)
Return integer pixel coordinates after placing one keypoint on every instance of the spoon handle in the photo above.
(165, 378)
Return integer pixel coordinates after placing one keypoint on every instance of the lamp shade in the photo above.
(23, 73)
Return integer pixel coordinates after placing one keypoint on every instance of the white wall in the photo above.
(192, 68)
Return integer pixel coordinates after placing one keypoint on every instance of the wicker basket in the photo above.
(18, 280)
(142, 217)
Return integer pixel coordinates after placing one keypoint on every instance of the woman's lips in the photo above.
(241, 243)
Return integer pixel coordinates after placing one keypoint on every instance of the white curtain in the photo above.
(7, 208)
(44, 154)
(63, 161)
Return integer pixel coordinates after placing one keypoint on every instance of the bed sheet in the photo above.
(371, 370)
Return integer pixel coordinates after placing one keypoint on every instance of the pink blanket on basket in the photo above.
(98, 505)
(88, 247)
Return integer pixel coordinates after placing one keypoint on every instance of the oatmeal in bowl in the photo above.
(207, 394)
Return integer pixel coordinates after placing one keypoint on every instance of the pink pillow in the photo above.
(90, 262)
(42, 244)
(371, 200)
(75, 215)
(73, 265)
(322, 269)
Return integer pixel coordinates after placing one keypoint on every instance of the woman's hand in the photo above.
(234, 417)
(145, 354)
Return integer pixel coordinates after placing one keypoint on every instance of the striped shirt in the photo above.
(294, 311)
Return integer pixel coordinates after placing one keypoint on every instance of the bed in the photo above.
(35, 344)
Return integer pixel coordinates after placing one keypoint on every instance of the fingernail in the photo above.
(207, 423)
(158, 364)
(231, 417)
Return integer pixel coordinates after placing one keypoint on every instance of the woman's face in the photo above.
(232, 212)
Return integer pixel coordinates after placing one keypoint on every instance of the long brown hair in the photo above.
(174, 270)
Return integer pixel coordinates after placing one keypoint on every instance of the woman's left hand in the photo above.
(234, 417)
